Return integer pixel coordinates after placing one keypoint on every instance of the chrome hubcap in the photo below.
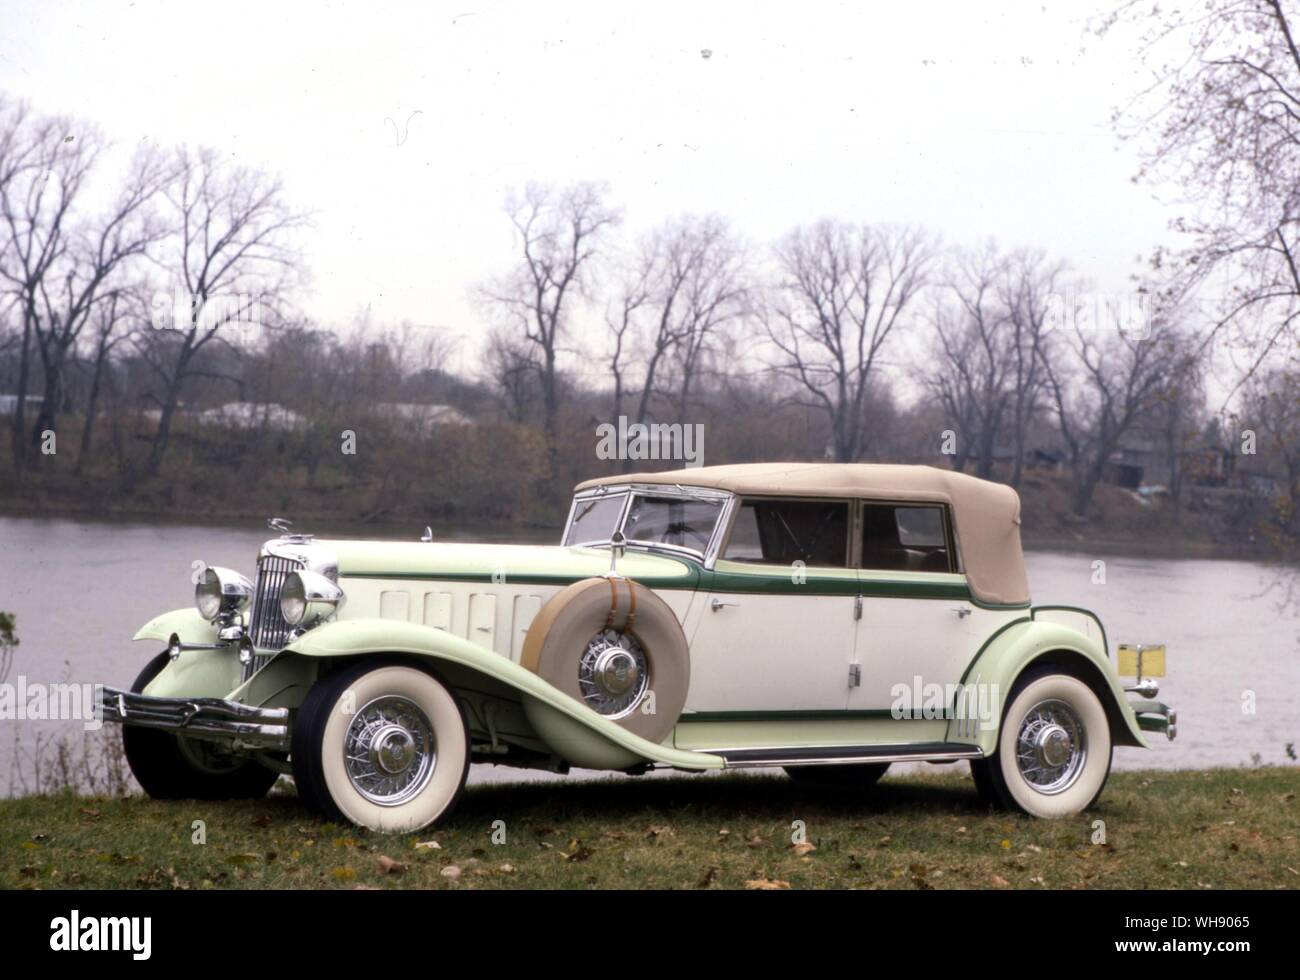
(389, 750)
(613, 674)
(1051, 747)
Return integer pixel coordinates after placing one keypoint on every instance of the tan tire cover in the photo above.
(565, 625)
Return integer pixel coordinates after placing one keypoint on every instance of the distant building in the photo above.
(423, 413)
(251, 415)
(9, 403)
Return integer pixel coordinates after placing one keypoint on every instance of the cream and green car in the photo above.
(830, 619)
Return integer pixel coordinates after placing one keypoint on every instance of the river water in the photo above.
(81, 589)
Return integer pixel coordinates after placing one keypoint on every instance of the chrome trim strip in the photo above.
(777, 759)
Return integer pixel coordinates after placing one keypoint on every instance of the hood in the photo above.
(500, 562)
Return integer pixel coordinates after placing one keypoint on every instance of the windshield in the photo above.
(595, 519)
(681, 522)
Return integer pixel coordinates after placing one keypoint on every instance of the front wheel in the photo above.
(173, 767)
(383, 745)
(1054, 749)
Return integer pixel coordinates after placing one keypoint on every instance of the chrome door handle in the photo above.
(717, 604)
(961, 611)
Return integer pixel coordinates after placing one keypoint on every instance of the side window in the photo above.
(904, 539)
(781, 532)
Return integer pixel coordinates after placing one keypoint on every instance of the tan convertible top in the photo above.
(986, 515)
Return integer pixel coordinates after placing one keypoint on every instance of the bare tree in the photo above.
(1109, 377)
(558, 233)
(1030, 294)
(1222, 118)
(844, 290)
(990, 324)
(688, 281)
(229, 263)
(42, 174)
(71, 291)
(111, 312)
(973, 355)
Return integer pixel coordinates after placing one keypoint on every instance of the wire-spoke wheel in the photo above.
(382, 744)
(1054, 747)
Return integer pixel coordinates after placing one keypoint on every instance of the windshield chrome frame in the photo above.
(707, 557)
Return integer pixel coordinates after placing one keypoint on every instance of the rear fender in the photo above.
(1027, 643)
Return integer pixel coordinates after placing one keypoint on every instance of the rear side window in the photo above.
(903, 538)
(781, 532)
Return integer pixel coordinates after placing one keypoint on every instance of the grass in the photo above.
(1223, 828)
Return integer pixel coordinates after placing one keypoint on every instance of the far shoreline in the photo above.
(1127, 542)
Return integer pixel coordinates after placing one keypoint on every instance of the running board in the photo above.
(841, 755)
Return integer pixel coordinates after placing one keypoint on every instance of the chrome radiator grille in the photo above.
(268, 629)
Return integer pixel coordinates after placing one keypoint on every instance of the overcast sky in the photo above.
(401, 126)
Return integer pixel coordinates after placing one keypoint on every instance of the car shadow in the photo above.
(729, 796)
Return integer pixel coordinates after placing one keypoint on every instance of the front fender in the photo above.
(571, 729)
(196, 673)
(1025, 643)
(185, 623)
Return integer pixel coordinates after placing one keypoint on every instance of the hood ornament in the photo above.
(617, 545)
(282, 527)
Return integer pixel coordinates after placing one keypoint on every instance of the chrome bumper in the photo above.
(242, 726)
(1155, 716)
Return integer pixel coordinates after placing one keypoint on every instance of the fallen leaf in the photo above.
(766, 885)
(999, 882)
(242, 858)
(450, 872)
(344, 874)
(578, 851)
(390, 867)
(801, 849)
(431, 845)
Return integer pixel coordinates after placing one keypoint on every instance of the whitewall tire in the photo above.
(1054, 747)
(383, 745)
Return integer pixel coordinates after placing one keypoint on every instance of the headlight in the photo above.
(309, 597)
(221, 591)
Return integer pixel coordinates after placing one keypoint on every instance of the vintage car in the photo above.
(830, 619)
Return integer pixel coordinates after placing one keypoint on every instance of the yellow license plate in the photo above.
(1139, 660)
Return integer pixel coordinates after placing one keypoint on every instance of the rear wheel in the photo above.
(849, 777)
(173, 767)
(383, 745)
(1054, 748)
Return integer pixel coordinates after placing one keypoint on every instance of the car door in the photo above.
(774, 633)
(914, 637)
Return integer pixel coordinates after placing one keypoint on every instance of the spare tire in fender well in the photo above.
(568, 622)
